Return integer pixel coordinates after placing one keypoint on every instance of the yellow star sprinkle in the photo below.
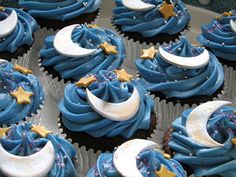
(22, 96)
(149, 53)
(123, 76)
(86, 81)
(230, 13)
(167, 156)
(109, 49)
(233, 141)
(164, 172)
(92, 26)
(41, 130)
(3, 131)
(22, 69)
(167, 10)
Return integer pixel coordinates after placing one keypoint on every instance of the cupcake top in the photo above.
(106, 104)
(136, 158)
(17, 28)
(205, 138)
(59, 10)
(150, 18)
(180, 70)
(220, 36)
(78, 50)
(31, 150)
(21, 93)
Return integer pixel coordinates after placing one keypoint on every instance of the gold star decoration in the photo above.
(167, 10)
(233, 141)
(40, 130)
(230, 13)
(167, 156)
(164, 172)
(149, 53)
(109, 49)
(85, 81)
(22, 96)
(123, 76)
(3, 131)
(22, 69)
(2, 8)
(92, 26)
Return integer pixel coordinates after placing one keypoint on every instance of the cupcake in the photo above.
(104, 110)
(180, 72)
(137, 158)
(86, 49)
(16, 35)
(21, 93)
(204, 139)
(31, 150)
(220, 37)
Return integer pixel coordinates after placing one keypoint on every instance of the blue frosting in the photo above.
(21, 141)
(78, 67)
(158, 75)
(78, 115)
(60, 10)
(10, 80)
(148, 162)
(23, 33)
(219, 37)
(150, 23)
(204, 160)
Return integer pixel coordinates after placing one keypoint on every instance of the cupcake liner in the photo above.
(25, 59)
(230, 81)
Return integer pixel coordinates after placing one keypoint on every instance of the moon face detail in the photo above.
(115, 111)
(186, 62)
(65, 46)
(125, 156)
(35, 165)
(137, 5)
(196, 124)
(233, 25)
(8, 25)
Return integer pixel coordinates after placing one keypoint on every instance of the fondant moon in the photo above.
(186, 62)
(233, 25)
(126, 154)
(9, 24)
(196, 124)
(115, 111)
(38, 164)
(3, 61)
(65, 46)
(137, 5)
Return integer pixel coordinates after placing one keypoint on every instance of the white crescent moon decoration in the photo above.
(186, 62)
(196, 124)
(125, 156)
(137, 5)
(3, 61)
(115, 111)
(65, 46)
(9, 24)
(233, 25)
(35, 165)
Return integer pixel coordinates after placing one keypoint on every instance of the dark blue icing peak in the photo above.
(158, 75)
(78, 115)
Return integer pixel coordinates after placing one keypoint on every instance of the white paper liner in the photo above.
(25, 59)
(230, 79)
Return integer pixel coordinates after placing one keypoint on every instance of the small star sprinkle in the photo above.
(3, 131)
(92, 26)
(109, 49)
(164, 172)
(40, 130)
(167, 10)
(230, 13)
(123, 76)
(22, 96)
(149, 53)
(233, 141)
(22, 69)
(86, 81)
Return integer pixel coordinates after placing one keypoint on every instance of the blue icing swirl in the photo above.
(60, 10)
(207, 161)
(21, 141)
(10, 80)
(158, 75)
(219, 37)
(148, 162)
(150, 23)
(78, 67)
(78, 115)
(23, 33)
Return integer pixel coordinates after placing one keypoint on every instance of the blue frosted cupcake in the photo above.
(180, 72)
(32, 150)
(136, 157)
(105, 109)
(21, 93)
